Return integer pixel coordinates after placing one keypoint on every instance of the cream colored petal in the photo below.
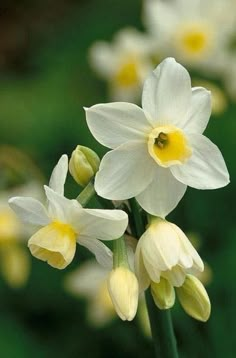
(29, 210)
(55, 244)
(113, 124)
(163, 194)
(140, 270)
(125, 172)
(59, 174)
(206, 168)
(102, 253)
(175, 276)
(101, 224)
(167, 93)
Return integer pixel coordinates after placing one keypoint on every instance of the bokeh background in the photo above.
(45, 80)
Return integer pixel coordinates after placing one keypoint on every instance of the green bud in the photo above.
(194, 298)
(163, 294)
(83, 165)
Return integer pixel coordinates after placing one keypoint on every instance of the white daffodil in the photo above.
(124, 63)
(164, 251)
(197, 33)
(160, 149)
(64, 222)
(90, 281)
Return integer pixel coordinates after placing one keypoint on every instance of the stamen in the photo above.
(161, 140)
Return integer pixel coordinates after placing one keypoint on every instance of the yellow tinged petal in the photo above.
(55, 244)
(194, 298)
(163, 294)
(124, 291)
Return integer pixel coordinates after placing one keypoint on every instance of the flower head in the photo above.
(64, 222)
(124, 63)
(157, 150)
(197, 33)
(164, 251)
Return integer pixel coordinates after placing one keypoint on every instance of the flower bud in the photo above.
(124, 291)
(83, 165)
(163, 294)
(194, 298)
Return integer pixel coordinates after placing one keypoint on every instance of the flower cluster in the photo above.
(157, 151)
(199, 34)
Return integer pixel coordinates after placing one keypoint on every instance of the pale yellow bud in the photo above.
(123, 289)
(194, 298)
(163, 294)
(83, 165)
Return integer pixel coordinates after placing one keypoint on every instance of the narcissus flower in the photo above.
(124, 63)
(64, 222)
(160, 149)
(197, 33)
(164, 251)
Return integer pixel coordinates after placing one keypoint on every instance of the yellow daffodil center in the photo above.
(54, 243)
(127, 75)
(194, 40)
(168, 146)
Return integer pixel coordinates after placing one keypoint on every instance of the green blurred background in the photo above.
(45, 80)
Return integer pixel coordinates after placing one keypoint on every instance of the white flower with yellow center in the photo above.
(160, 149)
(124, 63)
(164, 251)
(64, 222)
(196, 33)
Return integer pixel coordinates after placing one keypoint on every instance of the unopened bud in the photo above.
(163, 294)
(124, 291)
(83, 165)
(194, 298)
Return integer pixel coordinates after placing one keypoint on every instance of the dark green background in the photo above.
(44, 84)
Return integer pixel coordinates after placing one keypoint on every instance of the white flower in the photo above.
(160, 149)
(64, 222)
(164, 251)
(197, 33)
(90, 281)
(124, 63)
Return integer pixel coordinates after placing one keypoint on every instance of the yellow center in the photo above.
(194, 40)
(168, 146)
(127, 75)
(54, 243)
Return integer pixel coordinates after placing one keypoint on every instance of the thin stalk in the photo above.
(160, 320)
(86, 194)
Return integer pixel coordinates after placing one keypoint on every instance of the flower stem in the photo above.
(86, 194)
(162, 330)
(120, 257)
(160, 320)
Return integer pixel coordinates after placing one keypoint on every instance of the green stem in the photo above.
(162, 330)
(120, 257)
(86, 194)
(160, 320)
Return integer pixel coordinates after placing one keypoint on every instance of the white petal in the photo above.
(176, 276)
(102, 224)
(113, 124)
(125, 172)
(61, 208)
(167, 93)
(163, 193)
(86, 279)
(205, 169)
(200, 111)
(59, 174)
(29, 210)
(102, 253)
(140, 270)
